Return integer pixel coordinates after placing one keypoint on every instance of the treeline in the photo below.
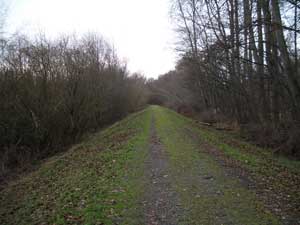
(171, 90)
(52, 92)
(240, 60)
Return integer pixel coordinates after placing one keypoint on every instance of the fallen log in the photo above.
(205, 124)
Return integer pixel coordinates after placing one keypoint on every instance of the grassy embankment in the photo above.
(101, 181)
(95, 182)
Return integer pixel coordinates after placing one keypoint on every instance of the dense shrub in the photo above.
(52, 92)
(283, 138)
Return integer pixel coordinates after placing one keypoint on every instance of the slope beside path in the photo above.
(156, 167)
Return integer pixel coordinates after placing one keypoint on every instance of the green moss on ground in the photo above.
(96, 182)
(102, 180)
(209, 196)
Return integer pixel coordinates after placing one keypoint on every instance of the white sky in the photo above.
(140, 30)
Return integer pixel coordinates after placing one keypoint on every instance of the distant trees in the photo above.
(170, 90)
(52, 92)
(241, 60)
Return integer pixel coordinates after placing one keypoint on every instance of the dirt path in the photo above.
(155, 168)
(161, 201)
(186, 185)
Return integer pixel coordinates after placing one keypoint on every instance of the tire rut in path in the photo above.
(161, 201)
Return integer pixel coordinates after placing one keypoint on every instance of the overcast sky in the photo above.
(140, 30)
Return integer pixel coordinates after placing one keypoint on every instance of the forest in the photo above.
(213, 138)
(238, 66)
(53, 92)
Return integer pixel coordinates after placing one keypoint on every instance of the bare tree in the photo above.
(239, 59)
(52, 92)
